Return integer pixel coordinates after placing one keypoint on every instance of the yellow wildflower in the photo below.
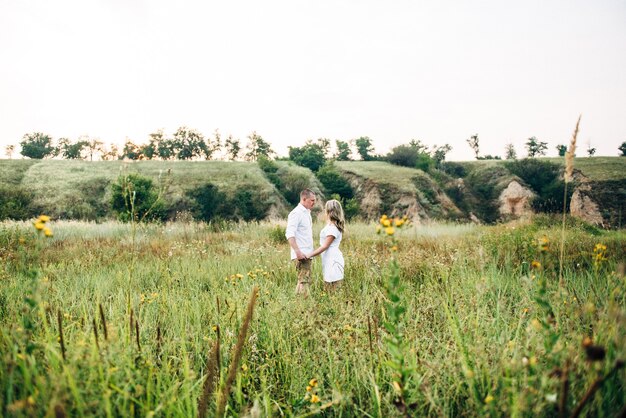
(308, 388)
(39, 226)
(315, 398)
(244, 367)
(386, 223)
(488, 399)
(43, 218)
(535, 264)
(389, 230)
(313, 382)
(239, 275)
(398, 222)
(47, 232)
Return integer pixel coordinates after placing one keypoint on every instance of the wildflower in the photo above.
(488, 399)
(47, 232)
(394, 248)
(386, 223)
(313, 382)
(398, 222)
(239, 275)
(382, 218)
(533, 361)
(315, 398)
(389, 230)
(535, 264)
(39, 226)
(43, 219)
(244, 367)
(308, 388)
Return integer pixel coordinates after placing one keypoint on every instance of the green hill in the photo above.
(82, 189)
(461, 191)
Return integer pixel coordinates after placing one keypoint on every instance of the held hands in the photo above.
(301, 256)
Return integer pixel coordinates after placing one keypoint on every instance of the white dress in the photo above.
(332, 258)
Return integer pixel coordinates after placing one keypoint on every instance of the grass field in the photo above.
(486, 331)
(595, 168)
(383, 173)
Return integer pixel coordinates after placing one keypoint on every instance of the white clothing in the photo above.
(332, 258)
(300, 226)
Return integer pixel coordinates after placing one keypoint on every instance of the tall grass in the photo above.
(487, 330)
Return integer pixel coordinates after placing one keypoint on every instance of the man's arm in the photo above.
(292, 225)
(299, 254)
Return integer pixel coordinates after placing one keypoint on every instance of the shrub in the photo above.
(134, 196)
(454, 169)
(544, 178)
(208, 202)
(351, 207)
(15, 203)
(270, 169)
(277, 235)
(293, 184)
(333, 182)
(249, 204)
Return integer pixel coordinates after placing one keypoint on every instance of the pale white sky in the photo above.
(294, 70)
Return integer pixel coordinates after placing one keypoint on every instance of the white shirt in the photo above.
(300, 226)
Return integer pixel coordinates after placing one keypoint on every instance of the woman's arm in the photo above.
(323, 247)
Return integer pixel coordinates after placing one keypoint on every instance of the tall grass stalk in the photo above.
(236, 356)
(567, 177)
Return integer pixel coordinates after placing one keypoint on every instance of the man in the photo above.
(300, 236)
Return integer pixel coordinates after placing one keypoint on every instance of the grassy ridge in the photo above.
(81, 189)
(485, 329)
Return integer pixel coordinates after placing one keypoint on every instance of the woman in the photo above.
(330, 238)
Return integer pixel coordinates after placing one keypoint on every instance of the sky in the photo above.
(438, 71)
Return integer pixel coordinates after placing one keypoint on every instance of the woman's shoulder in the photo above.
(331, 229)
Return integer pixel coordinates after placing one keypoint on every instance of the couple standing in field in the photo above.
(299, 233)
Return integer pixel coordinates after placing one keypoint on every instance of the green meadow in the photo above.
(519, 319)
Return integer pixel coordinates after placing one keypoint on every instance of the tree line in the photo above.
(190, 144)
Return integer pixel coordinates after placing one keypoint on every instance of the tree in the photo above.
(150, 150)
(165, 149)
(438, 154)
(212, 145)
(474, 144)
(509, 152)
(562, 149)
(311, 155)
(233, 147)
(72, 151)
(343, 151)
(364, 148)
(257, 147)
(188, 143)
(535, 147)
(590, 151)
(416, 155)
(37, 145)
(9, 150)
(131, 151)
(622, 149)
(111, 153)
(404, 155)
(93, 146)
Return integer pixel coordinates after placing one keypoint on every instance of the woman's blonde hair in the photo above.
(334, 211)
